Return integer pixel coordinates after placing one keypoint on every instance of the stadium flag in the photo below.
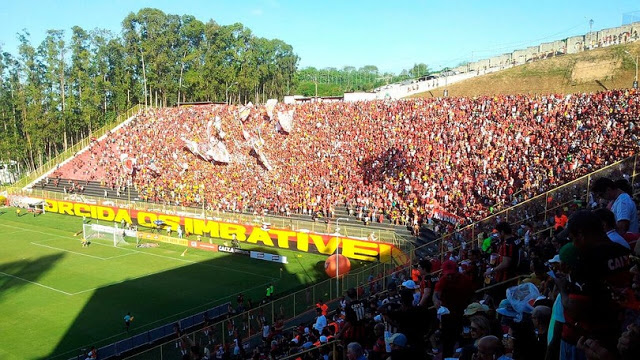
(441, 214)
(218, 152)
(192, 146)
(285, 120)
(263, 159)
(270, 106)
(184, 252)
(217, 124)
(127, 163)
(152, 166)
(245, 111)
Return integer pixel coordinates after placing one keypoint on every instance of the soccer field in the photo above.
(57, 296)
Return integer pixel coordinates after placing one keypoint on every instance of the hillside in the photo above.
(590, 71)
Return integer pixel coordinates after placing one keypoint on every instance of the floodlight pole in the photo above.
(337, 255)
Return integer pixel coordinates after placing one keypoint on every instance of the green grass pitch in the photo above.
(57, 296)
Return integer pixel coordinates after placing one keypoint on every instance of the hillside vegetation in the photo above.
(590, 71)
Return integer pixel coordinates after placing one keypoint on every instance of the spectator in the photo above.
(355, 352)
(602, 268)
(321, 320)
(480, 327)
(490, 347)
(608, 220)
(453, 291)
(620, 203)
(560, 220)
(509, 255)
(541, 316)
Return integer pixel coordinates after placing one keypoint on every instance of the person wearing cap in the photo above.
(453, 291)
(621, 204)
(600, 274)
(325, 309)
(411, 285)
(400, 349)
(475, 308)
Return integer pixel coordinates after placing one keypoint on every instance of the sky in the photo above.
(393, 35)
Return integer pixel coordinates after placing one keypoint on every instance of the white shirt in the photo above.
(625, 209)
(618, 239)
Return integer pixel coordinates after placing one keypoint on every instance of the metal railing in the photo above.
(247, 324)
(541, 208)
(72, 150)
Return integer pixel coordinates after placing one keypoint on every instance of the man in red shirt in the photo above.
(509, 254)
(453, 291)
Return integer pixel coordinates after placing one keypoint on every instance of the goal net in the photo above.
(108, 234)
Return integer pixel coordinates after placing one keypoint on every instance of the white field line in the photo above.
(133, 251)
(69, 251)
(35, 283)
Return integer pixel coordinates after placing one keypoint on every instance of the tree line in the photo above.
(55, 93)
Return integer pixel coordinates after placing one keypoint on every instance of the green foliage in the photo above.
(54, 94)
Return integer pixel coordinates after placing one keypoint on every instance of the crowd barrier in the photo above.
(149, 337)
(541, 208)
(287, 307)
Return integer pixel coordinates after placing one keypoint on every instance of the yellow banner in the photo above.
(162, 238)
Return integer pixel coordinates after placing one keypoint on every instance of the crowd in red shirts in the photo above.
(398, 160)
(570, 294)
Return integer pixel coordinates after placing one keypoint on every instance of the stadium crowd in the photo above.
(568, 293)
(401, 160)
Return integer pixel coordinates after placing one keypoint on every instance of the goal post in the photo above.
(108, 234)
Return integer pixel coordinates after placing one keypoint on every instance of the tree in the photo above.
(54, 95)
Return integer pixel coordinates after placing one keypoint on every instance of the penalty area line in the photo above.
(69, 251)
(35, 283)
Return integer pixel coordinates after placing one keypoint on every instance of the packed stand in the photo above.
(571, 292)
(397, 160)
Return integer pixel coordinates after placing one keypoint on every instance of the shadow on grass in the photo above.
(17, 274)
(165, 297)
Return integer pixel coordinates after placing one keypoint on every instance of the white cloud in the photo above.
(256, 12)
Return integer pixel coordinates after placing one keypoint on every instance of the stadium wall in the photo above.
(571, 45)
(302, 241)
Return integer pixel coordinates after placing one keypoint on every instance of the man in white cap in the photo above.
(411, 285)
